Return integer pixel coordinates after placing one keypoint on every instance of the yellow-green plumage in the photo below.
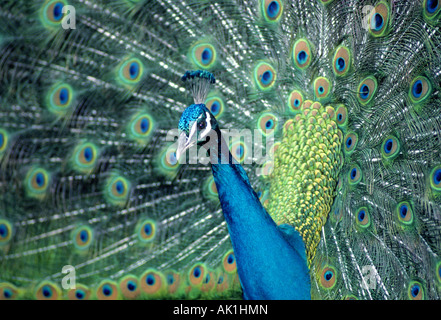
(306, 168)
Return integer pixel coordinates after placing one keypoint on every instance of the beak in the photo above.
(184, 143)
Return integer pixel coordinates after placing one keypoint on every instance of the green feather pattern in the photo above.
(88, 172)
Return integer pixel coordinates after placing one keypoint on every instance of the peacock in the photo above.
(327, 115)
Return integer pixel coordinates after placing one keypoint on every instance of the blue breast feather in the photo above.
(263, 250)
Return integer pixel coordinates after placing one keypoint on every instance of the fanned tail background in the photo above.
(88, 174)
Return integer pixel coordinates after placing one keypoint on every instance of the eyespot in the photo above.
(152, 283)
(379, 20)
(267, 123)
(5, 232)
(131, 71)
(129, 287)
(59, 98)
(431, 9)
(146, 231)
(209, 282)
(272, 10)
(435, 178)
(364, 91)
(80, 292)
(337, 214)
(267, 169)
(367, 89)
(416, 291)
(8, 291)
(52, 13)
(82, 237)
(229, 262)
(107, 290)
(295, 101)
(342, 61)
(212, 186)
(197, 274)
(328, 277)
(351, 141)
(354, 175)
(204, 55)
(322, 88)
(173, 281)
(239, 151)
(4, 137)
(264, 76)
(37, 182)
(405, 213)
(166, 161)
(169, 160)
(216, 106)
(47, 291)
(222, 282)
(341, 116)
(390, 148)
(210, 189)
(84, 157)
(117, 190)
(420, 89)
(141, 127)
(302, 54)
(362, 217)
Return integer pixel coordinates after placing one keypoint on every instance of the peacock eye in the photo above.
(202, 125)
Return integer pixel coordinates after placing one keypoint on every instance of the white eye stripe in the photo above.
(208, 128)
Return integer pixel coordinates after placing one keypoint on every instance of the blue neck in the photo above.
(270, 263)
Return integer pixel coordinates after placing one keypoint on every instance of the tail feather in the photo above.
(88, 174)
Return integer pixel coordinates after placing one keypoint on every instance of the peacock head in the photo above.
(197, 126)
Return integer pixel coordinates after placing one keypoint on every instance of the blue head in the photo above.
(194, 113)
(197, 124)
